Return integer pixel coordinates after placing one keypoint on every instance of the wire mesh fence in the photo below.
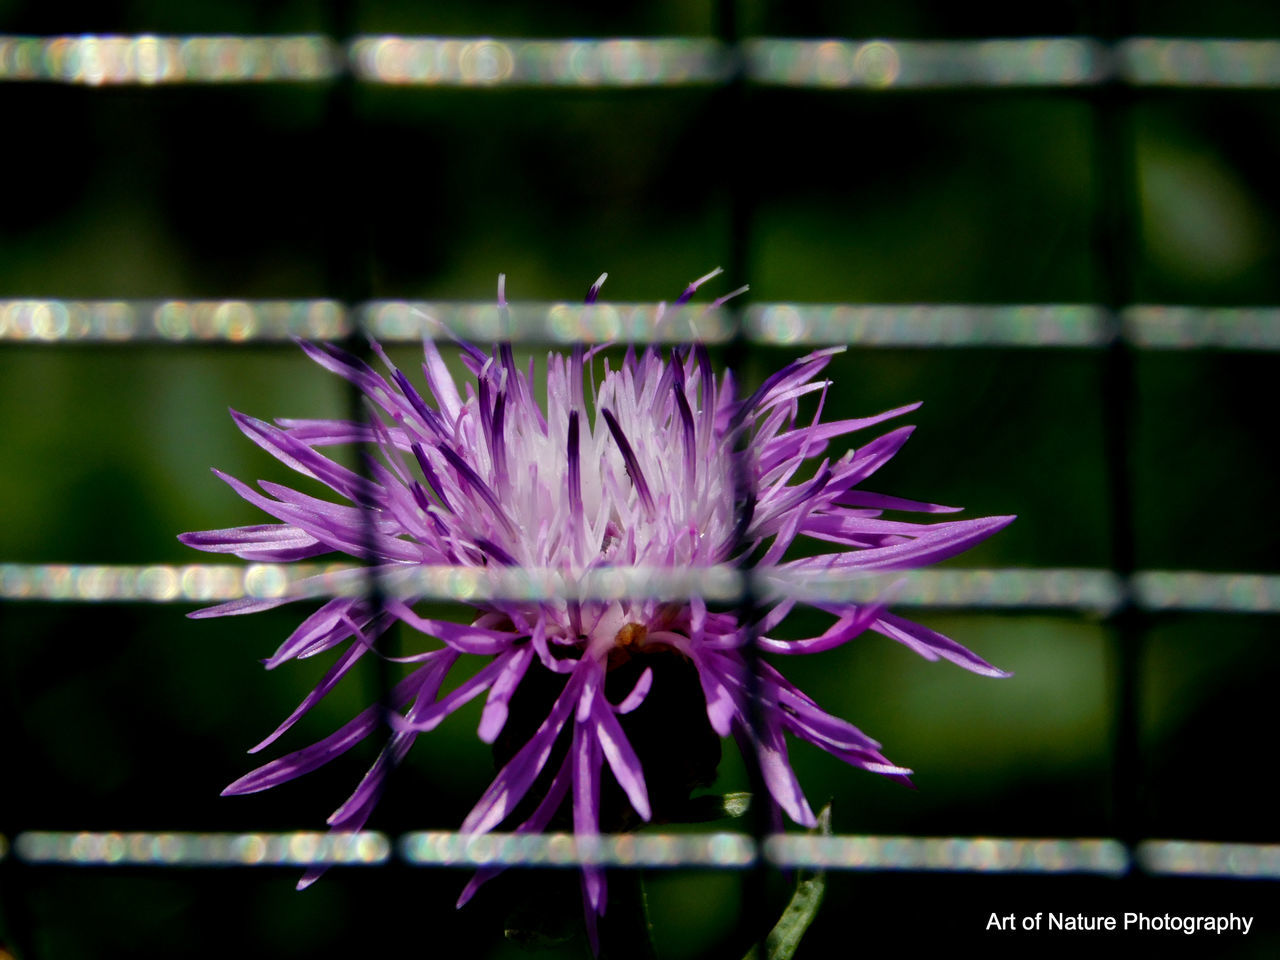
(632, 62)
(1068, 590)
(721, 850)
(765, 324)
(1070, 63)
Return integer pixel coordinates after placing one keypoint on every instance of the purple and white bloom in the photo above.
(634, 469)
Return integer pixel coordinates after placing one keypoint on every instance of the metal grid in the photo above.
(765, 324)
(1050, 62)
(1174, 858)
(1068, 590)
(483, 62)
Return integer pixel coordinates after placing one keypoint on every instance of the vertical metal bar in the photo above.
(755, 906)
(349, 261)
(1115, 243)
(733, 99)
(17, 917)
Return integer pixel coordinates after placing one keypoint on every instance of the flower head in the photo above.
(646, 467)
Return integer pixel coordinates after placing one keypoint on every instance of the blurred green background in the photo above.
(131, 717)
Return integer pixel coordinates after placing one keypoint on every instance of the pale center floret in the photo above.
(676, 512)
(689, 512)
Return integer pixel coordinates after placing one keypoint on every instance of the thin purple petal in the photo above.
(318, 754)
(575, 467)
(622, 758)
(629, 458)
(494, 717)
(586, 803)
(266, 543)
(931, 645)
(514, 780)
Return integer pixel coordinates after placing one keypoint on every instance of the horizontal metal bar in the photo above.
(1091, 591)
(1190, 591)
(949, 854)
(395, 321)
(168, 583)
(914, 64)
(170, 321)
(149, 60)
(736, 850)
(872, 64)
(1191, 858)
(450, 849)
(1065, 589)
(930, 325)
(1026, 62)
(487, 62)
(1202, 63)
(1047, 855)
(202, 849)
(1193, 328)
(446, 849)
(1157, 327)
(1150, 326)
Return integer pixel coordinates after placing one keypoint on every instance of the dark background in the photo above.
(133, 718)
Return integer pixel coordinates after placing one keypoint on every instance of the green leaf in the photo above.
(784, 938)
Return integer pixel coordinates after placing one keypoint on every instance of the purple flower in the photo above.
(634, 469)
